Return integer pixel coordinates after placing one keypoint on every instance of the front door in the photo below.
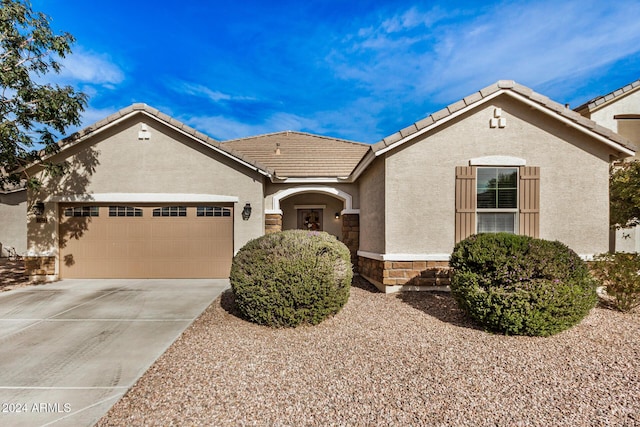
(310, 219)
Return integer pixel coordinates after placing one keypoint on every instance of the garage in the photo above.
(138, 241)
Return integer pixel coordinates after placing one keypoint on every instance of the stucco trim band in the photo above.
(142, 198)
(283, 194)
(497, 161)
(404, 257)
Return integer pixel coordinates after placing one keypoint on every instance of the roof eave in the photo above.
(621, 149)
(171, 123)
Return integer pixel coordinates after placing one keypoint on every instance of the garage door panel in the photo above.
(146, 246)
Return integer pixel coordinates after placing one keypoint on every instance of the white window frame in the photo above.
(514, 211)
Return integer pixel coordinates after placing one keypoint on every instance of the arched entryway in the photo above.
(314, 208)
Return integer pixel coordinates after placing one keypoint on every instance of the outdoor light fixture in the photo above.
(246, 212)
(337, 215)
(38, 208)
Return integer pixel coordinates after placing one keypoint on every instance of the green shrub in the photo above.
(518, 285)
(292, 277)
(619, 274)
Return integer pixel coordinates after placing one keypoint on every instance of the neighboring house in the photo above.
(148, 196)
(620, 112)
(13, 221)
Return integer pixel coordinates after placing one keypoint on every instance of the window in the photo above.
(170, 211)
(80, 211)
(493, 198)
(497, 200)
(124, 211)
(212, 211)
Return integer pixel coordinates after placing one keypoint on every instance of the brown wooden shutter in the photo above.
(465, 202)
(529, 218)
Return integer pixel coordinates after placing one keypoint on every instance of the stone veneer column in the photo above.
(272, 223)
(351, 236)
(39, 266)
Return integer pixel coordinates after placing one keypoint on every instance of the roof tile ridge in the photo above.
(333, 138)
(297, 133)
(246, 138)
(435, 117)
(600, 99)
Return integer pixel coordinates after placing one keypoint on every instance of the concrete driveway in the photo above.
(70, 350)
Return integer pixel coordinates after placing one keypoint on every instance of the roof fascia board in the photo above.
(573, 124)
(523, 99)
(17, 190)
(368, 158)
(614, 98)
(216, 149)
(440, 122)
(151, 116)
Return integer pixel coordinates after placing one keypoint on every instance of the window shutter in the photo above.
(465, 202)
(529, 216)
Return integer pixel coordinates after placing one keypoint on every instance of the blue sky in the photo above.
(359, 70)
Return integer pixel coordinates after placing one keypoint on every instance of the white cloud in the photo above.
(203, 91)
(90, 67)
(225, 128)
(421, 55)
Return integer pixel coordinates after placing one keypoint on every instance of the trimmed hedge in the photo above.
(518, 285)
(291, 277)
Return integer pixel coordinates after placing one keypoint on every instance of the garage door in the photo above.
(128, 241)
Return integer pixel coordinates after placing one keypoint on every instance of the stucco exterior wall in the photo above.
(116, 161)
(372, 207)
(13, 222)
(420, 179)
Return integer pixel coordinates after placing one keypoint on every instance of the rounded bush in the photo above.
(292, 277)
(518, 285)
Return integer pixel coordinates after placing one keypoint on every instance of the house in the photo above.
(13, 224)
(620, 112)
(148, 196)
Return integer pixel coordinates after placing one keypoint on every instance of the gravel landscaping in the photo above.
(403, 359)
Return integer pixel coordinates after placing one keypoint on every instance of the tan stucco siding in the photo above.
(13, 222)
(116, 161)
(372, 208)
(420, 190)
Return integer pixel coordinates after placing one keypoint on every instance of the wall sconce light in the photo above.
(337, 215)
(38, 208)
(246, 211)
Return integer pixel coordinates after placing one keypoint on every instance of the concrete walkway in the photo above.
(70, 350)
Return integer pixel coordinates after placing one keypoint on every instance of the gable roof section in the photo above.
(600, 101)
(160, 117)
(301, 155)
(13, 188)
(558, 111)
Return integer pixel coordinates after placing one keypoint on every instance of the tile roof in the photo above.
(481, 96)
(296, 154)
(6, 188)
(168, 120)
(599, 100)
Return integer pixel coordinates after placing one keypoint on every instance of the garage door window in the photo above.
(82, 211)
(124, 211)
(212, 211)
(170, 211)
